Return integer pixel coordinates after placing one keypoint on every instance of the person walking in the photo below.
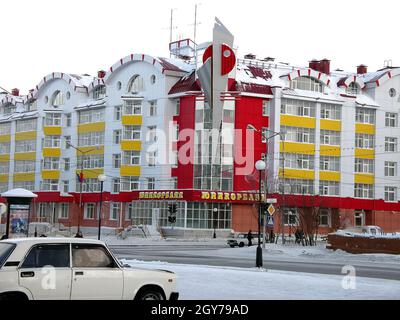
(249, 238)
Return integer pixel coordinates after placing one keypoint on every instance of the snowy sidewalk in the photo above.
(222, 283)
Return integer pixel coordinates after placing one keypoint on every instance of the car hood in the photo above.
(130, 268)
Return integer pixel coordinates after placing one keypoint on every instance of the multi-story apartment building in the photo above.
(330, 140)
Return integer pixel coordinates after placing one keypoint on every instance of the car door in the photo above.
(46, 272)
(95, 273)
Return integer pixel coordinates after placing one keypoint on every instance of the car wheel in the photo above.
(232, 245)
(150, 294)
(241, 245)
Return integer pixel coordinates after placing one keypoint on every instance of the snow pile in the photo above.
(223, 283)
(345, 233)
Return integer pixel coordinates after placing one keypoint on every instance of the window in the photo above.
(117, 113)
(93, 161)
(132, 132)
(302, 135)
(329, 188)
(52, 142)
(136, 84)
(298, 186)
(24, 166)
(265, 108)
(91, 139)
(331, 111)
(51, 163)
(390, 144)
(26, 125)
(25, 146)
(5, 147)
(391, 194)
(28, 185)
(365, 191)
(5, 128)
(52, 119)
(91, 116)
(364, 166)
(364, 115)
(324, 218)
(365, 141)
(91, 256)
(4, 187)
(65, 186)
(129, 212)
(264, 135)
(64, 211)
(6, 249)
(90, 211)
(353, 88)
(40, 256)
(307, 83)
(68, 120)
(99, 92)
(4, 167)
(391, 119)
(31, 105)
(151, 183)
(116, 185)
(50, 185)
(9, 109)
(177, 110)
(66, 164)
(131, 158)
(88, 185)
(153, 79)
(129, 184)
(58, 99)
(114, 211)
(329, 163)
(331, 138)
(299, 161)
(117, 136)
(298, 108)
(390, 169)
(116, 161)
(290, 216)
(119, 85)
(359, 218)
(153, 109)
(151, 134)
(392, 92)
(132, 107)
(68, 95)
(67, 142)
(151, 158)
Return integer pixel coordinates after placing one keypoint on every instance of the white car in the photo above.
(77, 269)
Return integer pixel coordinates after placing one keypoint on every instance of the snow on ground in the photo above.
(223, 283)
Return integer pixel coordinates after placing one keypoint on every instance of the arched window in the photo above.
(99, 92)
(31, 105)
(307, 83)
(353, 88)
(8, 108)
(136, 84)
(58, 99)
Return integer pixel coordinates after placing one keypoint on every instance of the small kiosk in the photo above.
(18, 212)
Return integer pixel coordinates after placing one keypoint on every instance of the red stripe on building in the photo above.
(121, 61)
(377, 83)
(319, 76)
(309, 72)
(132, 57)
(298, 72)
(142, 57)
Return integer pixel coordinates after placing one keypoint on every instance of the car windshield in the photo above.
(5, 250)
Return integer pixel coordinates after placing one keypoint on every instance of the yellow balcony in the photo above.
(365, 153)
(132, 120)
(4, 157)
(5, 138)
(3, 178)
(365, 128)
(91, 127)
(91, 174)
(329, 176)
(90, 151)
(297, 174)
(51, 175)
(52, 152)
(296, 121)
(29, 156)
(330, 151)
(294, 147)
(130, 171)
(131, 145)
(332, 125)
(364, 178)
(18, 177)
(52, 131)
(21, 136)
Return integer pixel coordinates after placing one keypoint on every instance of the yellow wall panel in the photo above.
(52, 152)
(130, 171)
(20, 136)
(4, 157)
(5, 138)
(364, 178)
(25, 156)
(365, 153)
(297, 174)
(293, 147)
(295, 121)
(90, 151)
(332, 125)
(18, 177)
(132, 120)
(3, 177)
(329, 176)
(330, 151)
(91, 127)
(365, 128)
(52, 131)
(131, 145)
(51, 175)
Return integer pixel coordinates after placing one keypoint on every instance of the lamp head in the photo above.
(102, 178)
(261, 165)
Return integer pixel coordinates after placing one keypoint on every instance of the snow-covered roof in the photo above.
(91, 104)
(18, 193)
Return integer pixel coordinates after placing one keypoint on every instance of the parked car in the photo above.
(373, 230)
(77, 269)
(240, 240)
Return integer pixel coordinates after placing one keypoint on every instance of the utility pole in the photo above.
(283, 193)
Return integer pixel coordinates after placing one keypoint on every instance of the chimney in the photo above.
(325, 66)
(101, 74)
(362, 69)
(15, 92)
(314, 64)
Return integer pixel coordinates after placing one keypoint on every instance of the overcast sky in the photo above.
(83, 36)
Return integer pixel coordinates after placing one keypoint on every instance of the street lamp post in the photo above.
(215, 210)
(260, 166)
(102, 178)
